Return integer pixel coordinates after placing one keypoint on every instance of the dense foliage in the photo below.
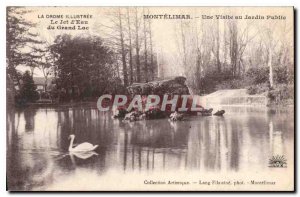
(27, 92)
(83, 67)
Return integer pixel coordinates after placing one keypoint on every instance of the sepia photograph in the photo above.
(150, 98)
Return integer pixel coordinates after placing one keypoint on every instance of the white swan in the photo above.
(83, 147)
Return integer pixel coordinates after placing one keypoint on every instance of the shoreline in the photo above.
(91, 104)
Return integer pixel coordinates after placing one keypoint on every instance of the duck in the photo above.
(83, 147)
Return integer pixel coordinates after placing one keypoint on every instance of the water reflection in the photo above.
(37, 143)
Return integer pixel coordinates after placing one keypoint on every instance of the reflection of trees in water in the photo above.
(147, 143)
(158, 134)
(28, 168)
(285, 132)
(208, 144)
(29, 116)
(200, 143)
(88, 125)
(217, 143)
(13, 171)
(22, 172)
(279, 127)
(276, 141)
(64, 127)
(11, 127)
(236, 139)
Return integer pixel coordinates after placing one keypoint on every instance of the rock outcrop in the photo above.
(170, 86)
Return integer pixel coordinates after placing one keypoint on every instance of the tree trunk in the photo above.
(145, 50)
(233, 48)
(32, 70)
(183, 44)
(218, 48)
(123, 50)
(270, 67)
(151, 51)
(130, 47)
(46, 83)
(225, 45)
(46, 78)
(137, 47)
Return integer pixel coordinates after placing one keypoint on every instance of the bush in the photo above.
(27, 91)
(261, 75)
(231, 84)
(281, 93)
(280, 74)
(213, 80)
(257, 89)
(258, 75)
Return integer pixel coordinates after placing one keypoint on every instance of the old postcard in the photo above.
(150, 99)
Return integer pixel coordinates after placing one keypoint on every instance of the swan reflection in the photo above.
(84, 155)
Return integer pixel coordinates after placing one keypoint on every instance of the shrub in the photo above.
(257, 89)
(281, 74)
(280, 93)
(231, 84)
(27, 92)
(213, 80)
(258, 75)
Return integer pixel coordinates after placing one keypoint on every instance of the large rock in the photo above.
(171, 86)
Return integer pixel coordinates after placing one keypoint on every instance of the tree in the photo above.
(84, 65)
(270, 43)
(18, 37)
(218, 47)
(27, 91)
(145, 50)
(151, 49)
(130, 46)
(123, 49)
(125, 32)
(114, 36)
(233, 50)
(183, 40)
(137, 46)
(47, 65)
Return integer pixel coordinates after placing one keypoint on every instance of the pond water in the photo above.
(37, 144)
